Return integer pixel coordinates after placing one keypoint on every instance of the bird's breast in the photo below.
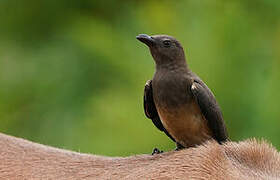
(171, 90)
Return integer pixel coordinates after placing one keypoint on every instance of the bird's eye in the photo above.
(166, 43)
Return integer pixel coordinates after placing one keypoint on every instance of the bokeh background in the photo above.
(72, 73)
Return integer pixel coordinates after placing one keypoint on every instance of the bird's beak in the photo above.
(144, 38)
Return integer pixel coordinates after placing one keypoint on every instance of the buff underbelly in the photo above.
(186, 124)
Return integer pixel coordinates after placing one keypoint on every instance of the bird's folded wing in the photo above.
(150, 108)
(210, 109)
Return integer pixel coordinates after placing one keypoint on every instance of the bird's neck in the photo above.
(178, 65)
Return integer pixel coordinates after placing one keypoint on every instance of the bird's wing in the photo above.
(150, 108)
(210, 109)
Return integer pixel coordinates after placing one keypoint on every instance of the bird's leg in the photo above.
(156, 151)
(179, 146)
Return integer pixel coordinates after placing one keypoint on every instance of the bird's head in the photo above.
(164, 49)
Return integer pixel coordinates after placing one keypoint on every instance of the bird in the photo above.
(177, 101)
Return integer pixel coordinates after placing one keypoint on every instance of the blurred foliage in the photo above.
(72, 73)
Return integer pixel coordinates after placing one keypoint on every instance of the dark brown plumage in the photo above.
(177, 100)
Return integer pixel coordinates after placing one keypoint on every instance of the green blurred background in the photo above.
(72, 73)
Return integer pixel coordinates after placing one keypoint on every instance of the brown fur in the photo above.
(21, 159)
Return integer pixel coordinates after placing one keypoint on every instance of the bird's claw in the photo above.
(156, 151)
(179, 147)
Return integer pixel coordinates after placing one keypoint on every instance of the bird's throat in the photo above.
(172, 66)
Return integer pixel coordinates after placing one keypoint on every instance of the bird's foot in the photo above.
(156, 151)
(179, 147)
